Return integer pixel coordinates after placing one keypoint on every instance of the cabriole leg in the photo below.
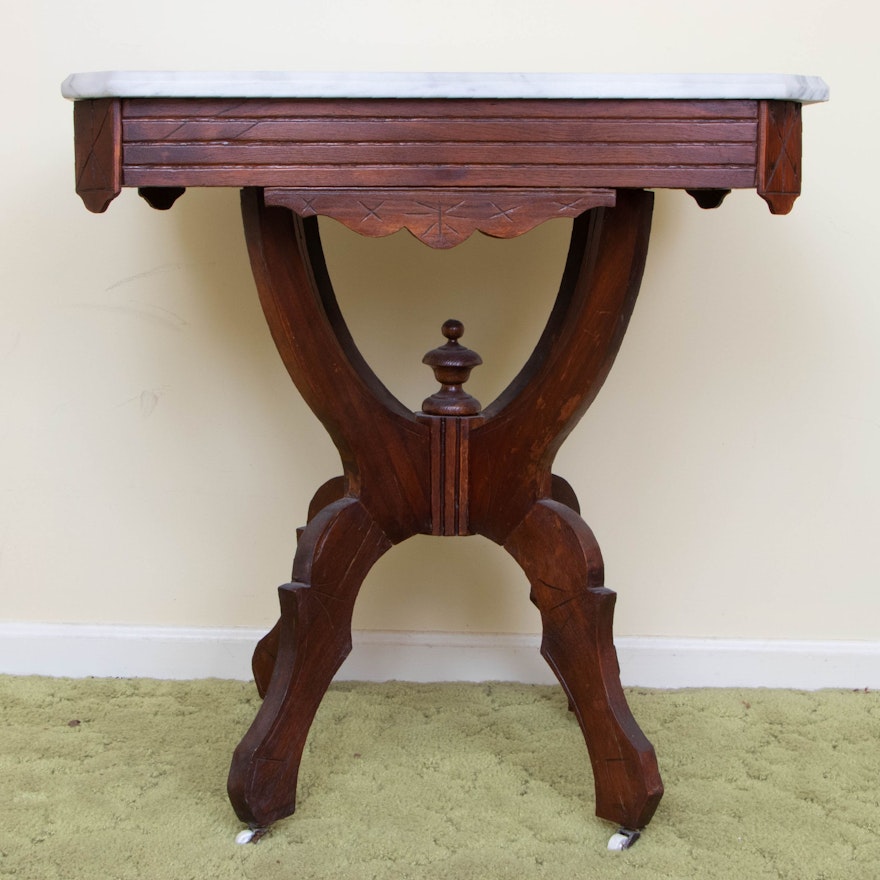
(561, 558)
(337, 550)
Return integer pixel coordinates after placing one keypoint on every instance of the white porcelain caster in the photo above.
(623, 839)
(249, 835)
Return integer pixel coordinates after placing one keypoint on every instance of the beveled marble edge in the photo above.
(280, 84)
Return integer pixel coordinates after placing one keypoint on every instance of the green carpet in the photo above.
(105, 779)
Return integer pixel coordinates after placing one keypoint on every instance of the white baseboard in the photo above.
(77, 651)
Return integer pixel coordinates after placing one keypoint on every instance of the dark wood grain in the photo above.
(477, 150)
(178, 111)
(456, 471)
(561, 558)
(527, 424)
(266, 651)
(330, 373)
(440, 217)
(442, 169)
(336, 551)
(446, 143)
(779, 154)
(98, 152)
(440, 143)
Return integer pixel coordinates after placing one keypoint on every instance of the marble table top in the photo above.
(280, 84)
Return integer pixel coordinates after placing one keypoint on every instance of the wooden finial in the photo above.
(452, 364)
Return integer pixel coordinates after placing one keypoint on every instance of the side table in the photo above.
(443, 155)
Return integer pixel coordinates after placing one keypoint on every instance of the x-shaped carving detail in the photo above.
(784, 175)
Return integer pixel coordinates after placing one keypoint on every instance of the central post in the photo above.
(450, 414)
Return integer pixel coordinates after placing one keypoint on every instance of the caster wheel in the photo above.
(249, 835)
(623, 839)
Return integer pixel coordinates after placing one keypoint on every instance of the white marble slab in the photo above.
(278, 84)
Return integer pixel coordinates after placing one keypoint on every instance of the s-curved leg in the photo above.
(380, 500)
(561, 559)
(336, 551)
(519, 503)
(263, 660)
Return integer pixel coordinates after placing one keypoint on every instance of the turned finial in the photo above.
(452, 364)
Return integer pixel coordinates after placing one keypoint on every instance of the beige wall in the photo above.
(156, 459)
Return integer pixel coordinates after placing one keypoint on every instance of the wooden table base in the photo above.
(452, 469)
(443, 156)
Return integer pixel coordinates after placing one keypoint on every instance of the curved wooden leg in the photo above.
(263, 660)
(492, 471)
(336, 551)
(512, 451)
(264, 657)
(383, 448)
(382, 498)
(561, 558)
(516, 501)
